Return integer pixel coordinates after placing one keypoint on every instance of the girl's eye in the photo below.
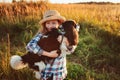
(52, 22)
(47, 23)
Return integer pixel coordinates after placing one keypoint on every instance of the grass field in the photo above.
(97, 56)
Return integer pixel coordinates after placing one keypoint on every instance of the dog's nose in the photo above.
(70, 48)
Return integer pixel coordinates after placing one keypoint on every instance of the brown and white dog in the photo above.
(64, 40)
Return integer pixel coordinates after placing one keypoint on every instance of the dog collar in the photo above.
(61, 30)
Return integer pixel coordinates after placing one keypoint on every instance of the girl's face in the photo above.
(51, 24)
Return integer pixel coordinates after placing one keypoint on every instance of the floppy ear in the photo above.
(77, 27)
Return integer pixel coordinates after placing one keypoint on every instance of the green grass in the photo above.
(96, 57)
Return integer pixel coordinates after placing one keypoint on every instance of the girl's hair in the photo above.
(42, 29)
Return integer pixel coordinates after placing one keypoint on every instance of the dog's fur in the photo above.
(50, 43)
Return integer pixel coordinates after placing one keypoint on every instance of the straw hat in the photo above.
(52, 15)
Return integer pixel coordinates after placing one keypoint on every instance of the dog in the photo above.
(53, 40)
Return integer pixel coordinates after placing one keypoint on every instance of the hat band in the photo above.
(49, 16)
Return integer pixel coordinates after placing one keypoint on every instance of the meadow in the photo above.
(97, 56)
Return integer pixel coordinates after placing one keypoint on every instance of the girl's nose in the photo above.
(52, 27)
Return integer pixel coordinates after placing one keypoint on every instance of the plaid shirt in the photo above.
(57, 70)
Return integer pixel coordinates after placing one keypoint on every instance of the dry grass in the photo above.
(107, 15)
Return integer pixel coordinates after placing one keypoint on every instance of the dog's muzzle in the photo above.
(71, 48)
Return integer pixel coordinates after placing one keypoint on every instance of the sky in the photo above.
(71, 1)
(74, 1)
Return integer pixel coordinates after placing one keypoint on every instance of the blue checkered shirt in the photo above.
(57, 70)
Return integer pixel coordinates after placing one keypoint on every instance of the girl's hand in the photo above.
(52, 54)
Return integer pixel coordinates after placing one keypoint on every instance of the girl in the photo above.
(51, 19)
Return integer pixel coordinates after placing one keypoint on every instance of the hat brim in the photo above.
(60, 18)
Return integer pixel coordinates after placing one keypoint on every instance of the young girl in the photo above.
(51, 19)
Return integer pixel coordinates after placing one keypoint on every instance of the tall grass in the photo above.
(97, 55)
(108, 16)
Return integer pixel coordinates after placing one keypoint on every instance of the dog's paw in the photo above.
(37, 74)
(41, 65)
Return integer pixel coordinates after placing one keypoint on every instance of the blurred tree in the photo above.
(22, 0)
(47, 1)
(43, 1)
(13, 1)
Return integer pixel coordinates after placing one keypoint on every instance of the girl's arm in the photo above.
(32, 46)
(52, 54)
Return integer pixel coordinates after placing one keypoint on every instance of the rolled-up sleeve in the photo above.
(32, 46)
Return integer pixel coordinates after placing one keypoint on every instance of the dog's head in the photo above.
(70, 31)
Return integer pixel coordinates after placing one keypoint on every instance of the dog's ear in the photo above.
(72, 22)
(69, 22)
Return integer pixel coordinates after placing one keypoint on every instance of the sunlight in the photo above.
(67, 1)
